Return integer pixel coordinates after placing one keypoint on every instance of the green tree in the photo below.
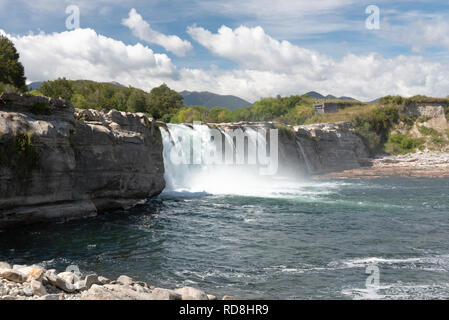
(60, 88)
(163, 102)
(79, 101)
(190, 114)
(137, 102)
(11, 70)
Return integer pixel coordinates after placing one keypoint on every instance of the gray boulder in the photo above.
(189, 293)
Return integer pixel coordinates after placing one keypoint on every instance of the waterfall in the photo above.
(201, 159)
(306, 160)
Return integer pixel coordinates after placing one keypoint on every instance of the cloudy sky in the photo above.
(252, 48)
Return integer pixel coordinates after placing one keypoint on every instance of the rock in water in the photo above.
(114, 292)
(87, 283)
(32, 272)
(13, 275)
(92, 279)
(58, 282)
(104, 280)
(71, 287)
(97, 292)
(4, 265)
(3, 290)
(70, 277)
(80, 285)
(27, 292)
(38, 288)
(189, 293)
(165, 294)
(125, 280)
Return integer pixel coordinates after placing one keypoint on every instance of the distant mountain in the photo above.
(117, 84)
(317, 95)
(373, 101)
(35, 85)
(314, 94)
(210, 100)
(346, 98)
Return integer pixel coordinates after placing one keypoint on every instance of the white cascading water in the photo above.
(306, 160)
(218, 179)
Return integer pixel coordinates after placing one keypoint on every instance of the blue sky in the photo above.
(252, 48)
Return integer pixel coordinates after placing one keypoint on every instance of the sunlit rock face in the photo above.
(83, 161)
(430, 110)
(331, 147)
(431, 114)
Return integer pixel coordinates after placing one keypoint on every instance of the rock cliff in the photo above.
(312, 149)
(60, 163)
(328, 147)
(430, 110)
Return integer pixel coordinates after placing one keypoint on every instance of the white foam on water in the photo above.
(364, 293)
(430, 263)
(439, 263)
(399, 291)
(362, 262)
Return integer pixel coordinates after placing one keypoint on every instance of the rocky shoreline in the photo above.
(419, 165)
(21, 282)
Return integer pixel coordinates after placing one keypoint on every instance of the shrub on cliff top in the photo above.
(161, 102)
(190, 114)
(426, 131)
(374, 127)
(402, 144)
(401, 101)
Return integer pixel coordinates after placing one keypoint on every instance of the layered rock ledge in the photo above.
(331, 147)
(60, 163)
(20, 282)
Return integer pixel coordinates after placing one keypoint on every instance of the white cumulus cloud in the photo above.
(269, 67)
(142, 30)
(84, 54)
(253, 48)
(266, 66)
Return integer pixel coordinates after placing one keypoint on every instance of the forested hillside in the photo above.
(161, 102)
